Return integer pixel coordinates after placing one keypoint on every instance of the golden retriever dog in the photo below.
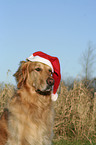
(29, 118)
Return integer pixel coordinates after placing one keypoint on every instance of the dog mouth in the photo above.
(46, 91)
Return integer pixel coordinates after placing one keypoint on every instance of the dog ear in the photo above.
(21, 74)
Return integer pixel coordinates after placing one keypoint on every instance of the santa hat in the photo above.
(53, 62)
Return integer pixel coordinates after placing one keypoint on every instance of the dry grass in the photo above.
(6, 92)
(75, 116)
(75, 113)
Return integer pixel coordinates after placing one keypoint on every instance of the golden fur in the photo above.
(30, 112)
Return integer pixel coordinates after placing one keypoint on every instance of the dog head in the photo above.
(36, 75)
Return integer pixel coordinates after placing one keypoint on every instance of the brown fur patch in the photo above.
(3, 127)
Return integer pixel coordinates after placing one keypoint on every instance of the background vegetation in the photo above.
(75, 113)
(75, 119)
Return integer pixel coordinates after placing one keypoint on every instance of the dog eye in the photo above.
(50, 71)
(38, 69)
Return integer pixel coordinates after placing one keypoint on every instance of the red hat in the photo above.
(53, 62)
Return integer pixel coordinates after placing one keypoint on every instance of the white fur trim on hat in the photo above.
(54, 97)
(40, 59)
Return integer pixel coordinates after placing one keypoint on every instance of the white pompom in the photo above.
(54, 97)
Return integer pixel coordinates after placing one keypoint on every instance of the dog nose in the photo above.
(50, 81)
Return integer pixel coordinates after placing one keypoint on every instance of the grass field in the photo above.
(79, 142)
(75, 114)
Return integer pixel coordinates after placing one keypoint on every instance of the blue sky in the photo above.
(61, 28)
